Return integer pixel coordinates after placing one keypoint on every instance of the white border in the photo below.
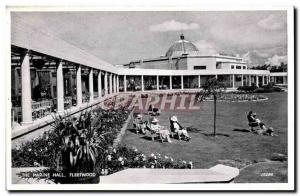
(248, 186)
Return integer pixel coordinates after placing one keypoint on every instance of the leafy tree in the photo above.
(212, 88)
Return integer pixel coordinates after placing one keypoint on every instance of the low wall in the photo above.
(123, 130)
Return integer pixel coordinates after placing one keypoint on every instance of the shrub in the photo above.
(43, 150)
(123, 157)
(247, 88)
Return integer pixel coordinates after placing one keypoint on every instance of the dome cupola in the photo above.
(182, 47)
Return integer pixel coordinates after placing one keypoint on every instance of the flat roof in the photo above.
(30, 37)
(164, 58)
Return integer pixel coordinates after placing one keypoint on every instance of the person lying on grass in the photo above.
(178, 129)
(138, 124)
(162, 131)
(269, 131)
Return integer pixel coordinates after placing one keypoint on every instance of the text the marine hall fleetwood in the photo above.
(49, 75)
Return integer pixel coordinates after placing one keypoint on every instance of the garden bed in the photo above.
(99, 132)
(241, 97)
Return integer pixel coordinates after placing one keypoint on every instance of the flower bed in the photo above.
(84, 144)
(122, 157)
(234, 97)
(43, 150)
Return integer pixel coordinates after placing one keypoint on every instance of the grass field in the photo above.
(233, 143)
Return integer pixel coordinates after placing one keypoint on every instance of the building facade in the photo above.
(49, 75)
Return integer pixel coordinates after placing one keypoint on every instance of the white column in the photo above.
(249, 82)
(125, 83)
(78, 86)
(157, 82)
(115, 83)
(91, 85)
(118, 83)
(99, 84)
(284, 79)
(105, 85)
(216, 76)
(171, 83)
(233, 81)
(199, 81)
(51, 85)
(60, 87)
(110, 83)
(263, 80)
(142, 82)
(17, 82)
(257, 83)
(242, 80)
(26, 91)
(181, 82)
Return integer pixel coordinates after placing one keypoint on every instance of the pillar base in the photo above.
(60, 112)
(26, 123)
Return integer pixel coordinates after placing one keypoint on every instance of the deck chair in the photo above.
(252, 125)
(173, 133)
(151, 133)
(137, 128)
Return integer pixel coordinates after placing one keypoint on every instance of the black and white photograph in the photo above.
(150, 99)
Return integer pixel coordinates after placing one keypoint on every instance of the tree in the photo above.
(212, 88)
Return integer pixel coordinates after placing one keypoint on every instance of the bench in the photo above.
(151, 133)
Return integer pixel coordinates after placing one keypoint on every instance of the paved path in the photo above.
(218, 173)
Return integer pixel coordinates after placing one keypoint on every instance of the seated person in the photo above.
(253, 121)
(162, 131)
(177, 128)
(139, 124)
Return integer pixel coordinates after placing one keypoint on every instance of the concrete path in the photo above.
(218, 173)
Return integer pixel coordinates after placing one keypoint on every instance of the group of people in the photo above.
(164, 133)
(262, 128)
(256, 125)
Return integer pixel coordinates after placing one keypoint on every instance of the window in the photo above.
(232, 66)
(244, 67)
(238, 79)
(238, 67)
(200, 67)
(131, 65)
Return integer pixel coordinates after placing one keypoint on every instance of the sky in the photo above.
(120, 37)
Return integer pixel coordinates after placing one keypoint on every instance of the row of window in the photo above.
(238, 67)
(198, 67)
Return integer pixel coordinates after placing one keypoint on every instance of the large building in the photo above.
(184, 55)
(50, 75)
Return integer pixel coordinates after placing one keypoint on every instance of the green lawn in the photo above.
(206, 151)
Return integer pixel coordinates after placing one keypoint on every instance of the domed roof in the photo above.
(182, 47)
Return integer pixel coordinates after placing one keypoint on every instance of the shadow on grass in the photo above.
(217, 134)
(241, 130)
(193, 130)
(132, 130)
(143, 136)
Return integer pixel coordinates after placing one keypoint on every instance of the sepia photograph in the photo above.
(150, 99)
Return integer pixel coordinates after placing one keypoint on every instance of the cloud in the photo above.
(276, 60)
(206, 48)
(272, 22)
(247, 57)
(173, 25)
